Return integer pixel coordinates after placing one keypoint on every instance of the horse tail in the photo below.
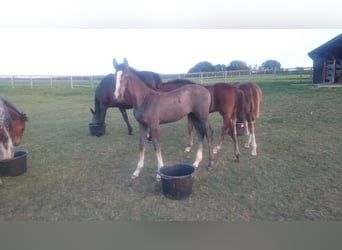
(241, 106)
(253, 111)
(257, 99)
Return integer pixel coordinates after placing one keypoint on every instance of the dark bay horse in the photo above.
(104, 99)
(225, 99)
(152, 107)
(252, 98)
(15, 122)
(6, 128)
(12, 126)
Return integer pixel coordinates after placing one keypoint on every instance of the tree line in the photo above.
(233, 65)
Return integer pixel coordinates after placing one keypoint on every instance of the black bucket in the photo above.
(240, 129)
(177, 180)
(97, 129)
(15, 166)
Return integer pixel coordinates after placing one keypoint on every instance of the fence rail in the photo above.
(300, 75)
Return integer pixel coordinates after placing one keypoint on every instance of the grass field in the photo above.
(72, 176)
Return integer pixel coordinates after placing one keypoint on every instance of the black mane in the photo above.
(180, 81)
(143, 75)
(10, 105)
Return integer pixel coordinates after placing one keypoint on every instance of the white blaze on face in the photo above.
(118, 80)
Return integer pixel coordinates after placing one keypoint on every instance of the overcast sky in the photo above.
(79, 37)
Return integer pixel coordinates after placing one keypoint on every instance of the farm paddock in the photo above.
(73, 176)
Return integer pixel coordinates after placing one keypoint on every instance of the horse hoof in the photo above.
(187, 149)
(216, 150)
(133, 177)
(254, 151)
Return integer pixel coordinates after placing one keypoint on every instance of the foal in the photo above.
(152, 107)
(252, 100)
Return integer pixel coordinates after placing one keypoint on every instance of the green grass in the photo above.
(73, 176)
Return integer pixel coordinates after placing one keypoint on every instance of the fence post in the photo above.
(51, 82)
(31, 83)
(71, 82)
(12, 82)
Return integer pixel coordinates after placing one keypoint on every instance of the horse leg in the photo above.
(224, 131)
(248, 134)
(209, 135)
(191, 135)
(252, 138)
(125, 117)
(234, 137)
(199, 154)
(157, 148)
(142, 148)
(204, 129)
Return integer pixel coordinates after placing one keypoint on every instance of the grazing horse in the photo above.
(6, 128)
(252, 100)
(104, 99)
(226, 99)
(17, 122)
(12, 126)
(152, 107)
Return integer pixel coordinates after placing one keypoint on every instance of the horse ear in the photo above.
(92, 111)
(125, 62)
(115, 63)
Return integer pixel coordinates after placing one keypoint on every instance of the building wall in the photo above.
(317, 70)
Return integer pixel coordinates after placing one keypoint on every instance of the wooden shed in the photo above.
(327, 62)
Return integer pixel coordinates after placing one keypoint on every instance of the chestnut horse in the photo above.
(252, 100)
(227, 100)
(152, 107)
(104, 99)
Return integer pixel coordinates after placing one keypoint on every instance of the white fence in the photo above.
(300, 75)
(50, 81)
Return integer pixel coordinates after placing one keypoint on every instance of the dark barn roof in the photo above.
(329, 50)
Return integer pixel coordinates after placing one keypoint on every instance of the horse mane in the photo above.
(140, 75)
(179, 81)
(23, 116)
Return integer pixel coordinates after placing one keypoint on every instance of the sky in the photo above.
(79, 38)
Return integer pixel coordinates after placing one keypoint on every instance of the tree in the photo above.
(237, 65)
(219, 67)
(202, 67)
(271, 64)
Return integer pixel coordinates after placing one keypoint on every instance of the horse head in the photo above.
(6, 143)
(122, 78)
(19, 120)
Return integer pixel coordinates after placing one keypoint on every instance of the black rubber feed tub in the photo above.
(96, 129)
(240, 129)
(177, 180)
(15, 166)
